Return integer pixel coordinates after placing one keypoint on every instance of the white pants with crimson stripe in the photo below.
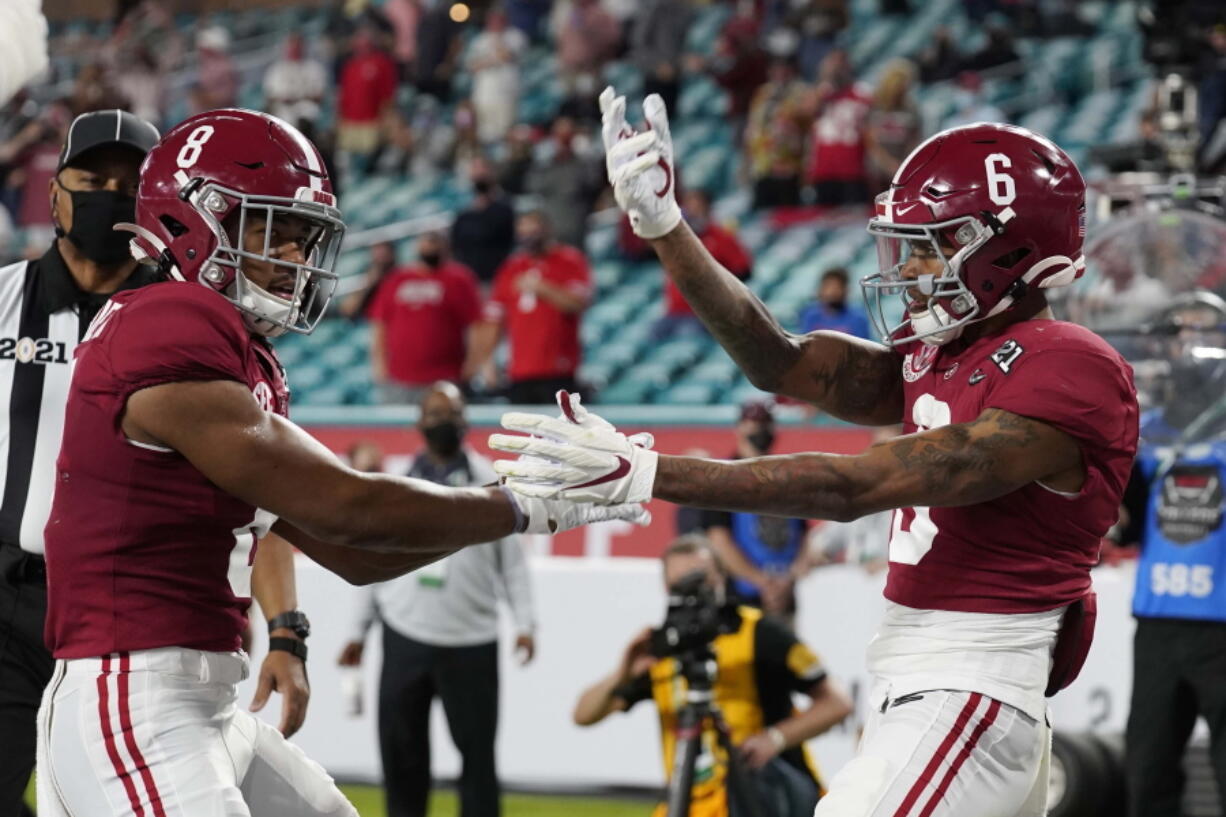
(160, 733)
(945, 753)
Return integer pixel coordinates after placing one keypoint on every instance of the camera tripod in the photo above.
(700, 713)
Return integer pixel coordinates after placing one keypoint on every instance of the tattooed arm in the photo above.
(960, 464)
(852, 379)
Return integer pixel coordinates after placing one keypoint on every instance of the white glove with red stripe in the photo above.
(579, 457)
(640, 165)
(554, 515)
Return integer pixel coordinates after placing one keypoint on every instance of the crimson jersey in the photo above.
(143, 551)
(1030, 550)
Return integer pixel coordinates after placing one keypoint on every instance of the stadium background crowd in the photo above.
(434, 113)
(465, 145)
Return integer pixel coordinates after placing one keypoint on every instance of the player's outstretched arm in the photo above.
(852, 379)
(961, 464)
(273, 464)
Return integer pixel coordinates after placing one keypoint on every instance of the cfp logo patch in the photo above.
(263, 395)
(39, 351)
(1190, 506)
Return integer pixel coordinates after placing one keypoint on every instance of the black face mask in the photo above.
(762, 439)
(444, 438)
(431, 259)
(533, 244)
(483, 186)
(94, 214)
(837, 306)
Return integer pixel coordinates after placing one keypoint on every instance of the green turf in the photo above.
(369, 803)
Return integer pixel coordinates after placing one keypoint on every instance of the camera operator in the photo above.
(759, 663)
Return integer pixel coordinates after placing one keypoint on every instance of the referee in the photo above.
(45, 308)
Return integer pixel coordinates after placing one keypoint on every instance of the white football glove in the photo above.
(640, 165)
(579, 457)
(554, 515)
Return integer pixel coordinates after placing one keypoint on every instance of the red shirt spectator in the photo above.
(367, 85)
(724, 248)
(424, 314)
(544, 338)
(838, 136)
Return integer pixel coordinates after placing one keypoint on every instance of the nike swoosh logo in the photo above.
(975, 378)
(902, 211)
(564, 402)
(623, 468)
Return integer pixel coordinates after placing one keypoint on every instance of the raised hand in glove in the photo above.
(640, 165)
(578, 456)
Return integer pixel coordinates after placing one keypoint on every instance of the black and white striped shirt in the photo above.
(43, 315)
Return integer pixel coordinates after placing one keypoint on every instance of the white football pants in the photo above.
(945, 754)
(158, 733)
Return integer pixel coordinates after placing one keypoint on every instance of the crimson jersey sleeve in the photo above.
(1080, 391)
(183, 335)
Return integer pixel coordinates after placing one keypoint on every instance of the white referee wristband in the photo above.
(777, 738)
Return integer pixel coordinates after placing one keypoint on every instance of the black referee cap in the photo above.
(99, 128)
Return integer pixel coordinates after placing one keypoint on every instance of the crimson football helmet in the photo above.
(244, 164)
(1006, 201)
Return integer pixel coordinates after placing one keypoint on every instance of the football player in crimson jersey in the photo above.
(1021, 431)
(177, 458)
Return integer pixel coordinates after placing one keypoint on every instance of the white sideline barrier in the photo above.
(588, 609)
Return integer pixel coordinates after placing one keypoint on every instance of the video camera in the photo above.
(696, 616)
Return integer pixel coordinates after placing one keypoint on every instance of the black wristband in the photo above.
(289, 645)
(293, 620)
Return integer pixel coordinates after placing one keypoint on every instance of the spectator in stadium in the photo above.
(970, 104)
(539, 296)
(894, 123)
(463, 144)
(367, 87)
(382, 261)
(775, 136)
(139, 80)
(216, 76)
(739, 65)
(484, 233)
(397, 145)
(92, 91)
(38, 166)
(295, 84)
(837, 164)
(759, 667)
(565, 179)
(440, 635)
(996, 52)
(493, 61)
(586, 36)
(517, 157)
(404, 16)
(818, 22)
(724, 246)
(657, 44)
(761, 553)
(940, 60)
(830, 310)
(1211, 97)
(421, 317)
(528, 16)
(438, 50)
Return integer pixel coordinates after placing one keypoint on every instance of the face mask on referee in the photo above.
(94, 215)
